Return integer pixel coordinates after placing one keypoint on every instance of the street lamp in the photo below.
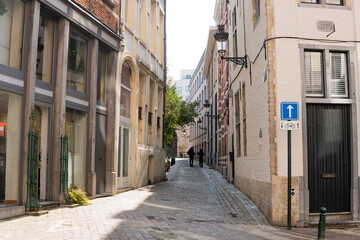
(221, 37)
(206, 104)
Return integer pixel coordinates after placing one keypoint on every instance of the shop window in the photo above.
(77, 63)
(102, 77)
(76, 129)
(11, 37)
(10, 125)
(45, 49)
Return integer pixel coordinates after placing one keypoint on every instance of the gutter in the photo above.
(165, 75)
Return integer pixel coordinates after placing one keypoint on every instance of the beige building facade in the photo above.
(142, 60)
(81, 99)
(305, 52)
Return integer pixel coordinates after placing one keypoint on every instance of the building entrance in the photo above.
(329, 155)
(123, 171)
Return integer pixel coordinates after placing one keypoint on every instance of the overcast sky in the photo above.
(188, 23)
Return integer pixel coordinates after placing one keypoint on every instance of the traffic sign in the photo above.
(289, 111)
(289, 125)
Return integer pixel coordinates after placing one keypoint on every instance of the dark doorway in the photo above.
(329, 153)
(100, 153)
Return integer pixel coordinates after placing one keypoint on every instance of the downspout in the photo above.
(120, 28)
(165, 75)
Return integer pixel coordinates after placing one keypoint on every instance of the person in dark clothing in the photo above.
(191, 154)
(201, 157)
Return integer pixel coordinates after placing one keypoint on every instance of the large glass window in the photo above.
(102, 77)
(45, 49)
(77, 63)
(10, 122)
(11, 37)
(76, 129)
(314, 74)
(125, 162)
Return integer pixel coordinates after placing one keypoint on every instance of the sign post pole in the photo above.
(289, 113)
(289, 180)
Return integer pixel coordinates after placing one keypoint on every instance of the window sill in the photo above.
(327, 6)
(109, 3)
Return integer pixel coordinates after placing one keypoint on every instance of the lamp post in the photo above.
(221, 38)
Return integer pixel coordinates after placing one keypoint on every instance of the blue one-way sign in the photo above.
(289, 111)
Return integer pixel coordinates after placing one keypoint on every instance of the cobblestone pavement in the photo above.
(195, 203)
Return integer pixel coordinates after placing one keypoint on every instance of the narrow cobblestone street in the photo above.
(195, 203)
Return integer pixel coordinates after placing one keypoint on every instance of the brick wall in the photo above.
(102, 11)
(223, 95)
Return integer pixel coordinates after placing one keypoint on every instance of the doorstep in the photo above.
(122, 190)
(101, 195)
(11, 211)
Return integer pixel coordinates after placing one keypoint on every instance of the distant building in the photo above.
(183, 84)
(198, 131)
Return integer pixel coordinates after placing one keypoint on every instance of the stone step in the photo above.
(338, 224)
(122, 190)
(101, 195)
(46, 205)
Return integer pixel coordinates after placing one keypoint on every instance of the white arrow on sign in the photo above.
(290, 108)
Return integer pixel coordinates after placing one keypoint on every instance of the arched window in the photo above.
(125, 91)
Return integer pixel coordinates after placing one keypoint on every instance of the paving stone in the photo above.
(195, 203)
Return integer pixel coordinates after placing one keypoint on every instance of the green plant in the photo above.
(35, 127)
(78, 196)
(177, 113)
(3, 9)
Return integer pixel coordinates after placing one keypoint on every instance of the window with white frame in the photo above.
(328, 2)
(314, 76)
(339, 76)
(332, 83)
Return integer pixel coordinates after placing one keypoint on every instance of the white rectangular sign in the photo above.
(290, 125)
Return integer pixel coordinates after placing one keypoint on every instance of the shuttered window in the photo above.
(339, 76)
(314, 77)
(334, 2)
(309, 1)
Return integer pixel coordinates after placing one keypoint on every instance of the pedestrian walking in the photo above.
(201, 157)
(191, 154)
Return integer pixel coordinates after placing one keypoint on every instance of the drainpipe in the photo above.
(120, 28)
(165, 75)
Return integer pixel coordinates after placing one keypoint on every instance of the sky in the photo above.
(188, 23)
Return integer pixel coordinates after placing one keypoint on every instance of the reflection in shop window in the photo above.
(77, 63)
(76, 129)
(10, 120)
(45, 49)
(11, 37)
